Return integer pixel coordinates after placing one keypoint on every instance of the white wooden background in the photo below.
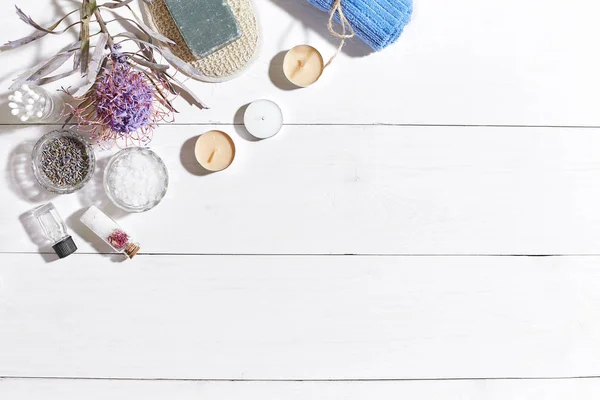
(426, 225)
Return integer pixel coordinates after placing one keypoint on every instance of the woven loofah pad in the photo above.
(223, 64)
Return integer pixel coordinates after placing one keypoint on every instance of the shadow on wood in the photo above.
(240, 128)
(74, 223)
(20, 176)
(276, 74)
(35, 233)
(94, 194)
(187, 156)
(316, 20)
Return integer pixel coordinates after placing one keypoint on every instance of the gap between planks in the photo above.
(305, 254)
(449, 379)
(214, 123)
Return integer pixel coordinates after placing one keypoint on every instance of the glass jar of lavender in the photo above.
(63, 161)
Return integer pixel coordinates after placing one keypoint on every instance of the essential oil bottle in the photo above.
(55, 230)
(109, 231)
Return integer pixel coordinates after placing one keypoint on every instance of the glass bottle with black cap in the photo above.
(55, 230)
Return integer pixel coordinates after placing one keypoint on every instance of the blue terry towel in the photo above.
(378, 23)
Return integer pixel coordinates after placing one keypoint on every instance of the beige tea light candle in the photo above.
(215, 150)
(303, 65)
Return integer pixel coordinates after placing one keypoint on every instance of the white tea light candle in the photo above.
(303, 65)
(215, 150)
(263, 119)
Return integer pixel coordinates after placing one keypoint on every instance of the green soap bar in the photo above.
(206, 25)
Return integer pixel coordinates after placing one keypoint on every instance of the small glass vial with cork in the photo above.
(109, 231)
(55, 230)
(31, 103)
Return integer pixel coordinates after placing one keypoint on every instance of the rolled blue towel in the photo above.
(378, 23)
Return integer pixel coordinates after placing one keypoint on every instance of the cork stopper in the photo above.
(132, 249)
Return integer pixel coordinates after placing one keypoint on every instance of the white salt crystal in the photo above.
(137, 179)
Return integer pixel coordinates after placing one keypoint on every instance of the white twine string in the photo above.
(347, 30)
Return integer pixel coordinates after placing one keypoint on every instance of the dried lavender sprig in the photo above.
(64, 161)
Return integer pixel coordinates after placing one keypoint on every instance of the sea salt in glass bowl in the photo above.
(136, 179)
(38, 167)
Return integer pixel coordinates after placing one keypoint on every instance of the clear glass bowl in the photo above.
(45, 107)
(36, 162)
(157, 167)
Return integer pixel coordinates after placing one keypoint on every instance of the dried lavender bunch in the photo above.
(143, 84)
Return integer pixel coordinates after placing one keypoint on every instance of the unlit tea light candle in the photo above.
(303, 65)
(263, 119)
(215, 150)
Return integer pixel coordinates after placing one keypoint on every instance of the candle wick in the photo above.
(300, 63)
(211, 156)
(262, 118)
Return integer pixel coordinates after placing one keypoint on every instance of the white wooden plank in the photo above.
(460, 62)
(29, 389)
(337, 189)
(312, 317)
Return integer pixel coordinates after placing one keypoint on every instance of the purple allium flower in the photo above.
(122, 104)
(124, 99)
